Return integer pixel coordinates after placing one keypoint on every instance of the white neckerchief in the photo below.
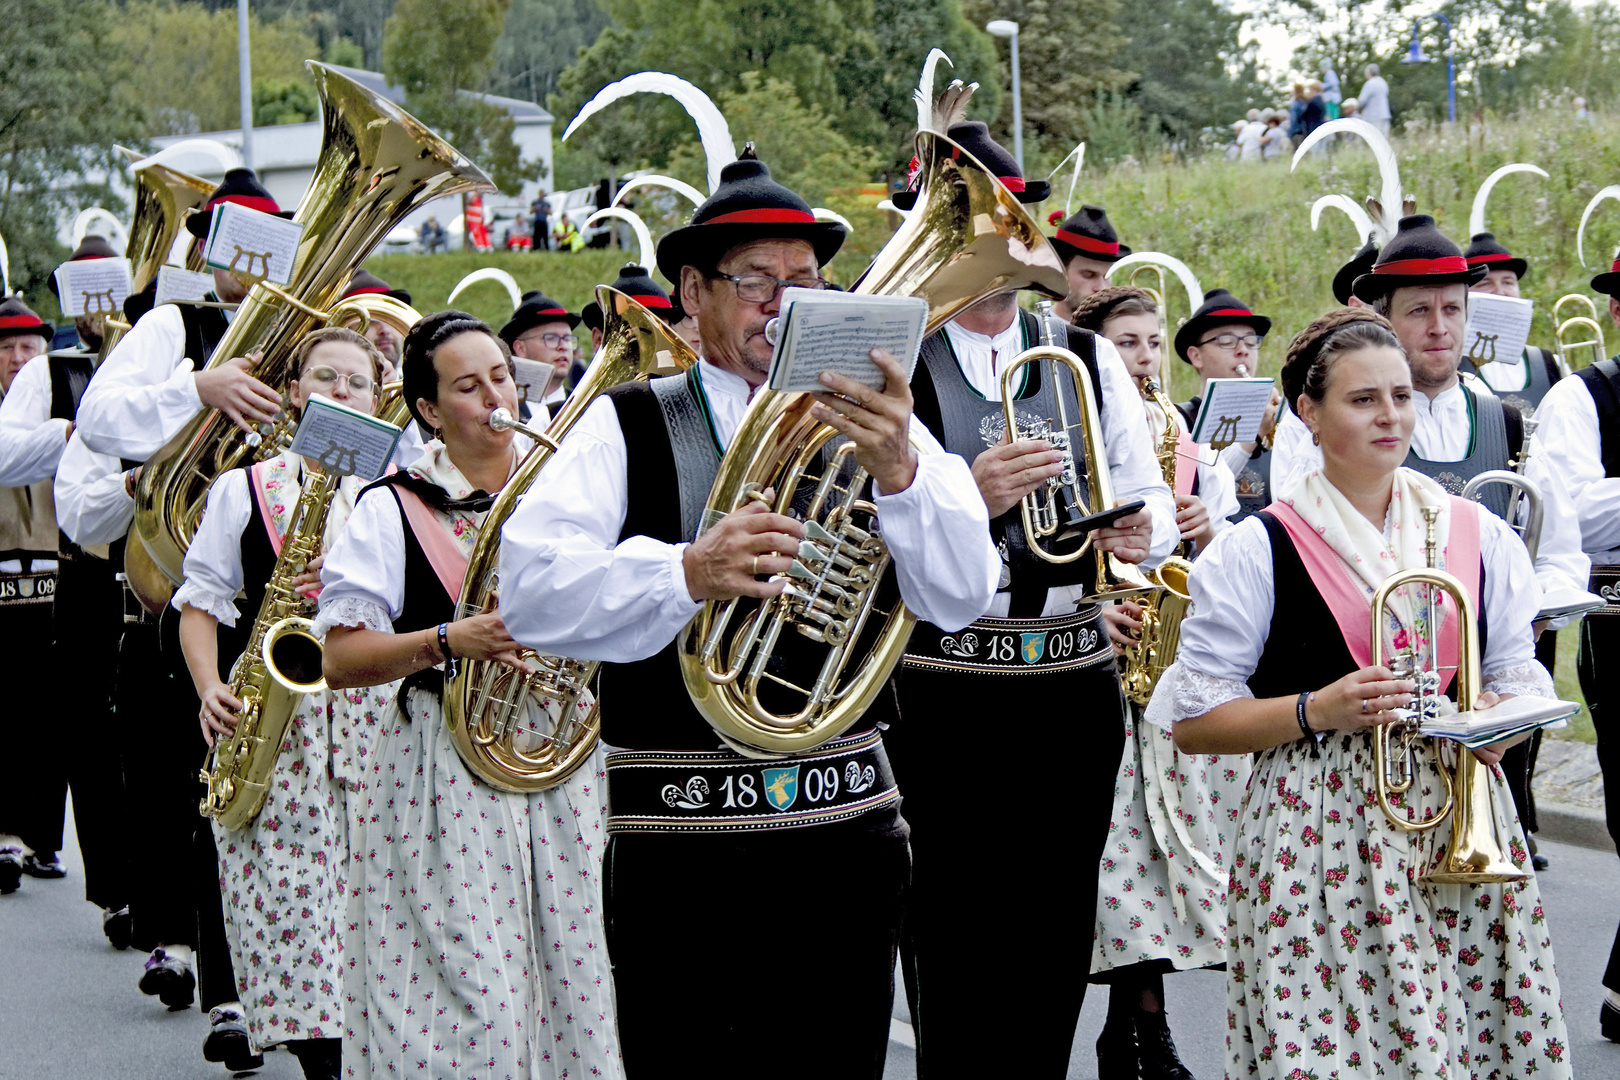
(982, 356)
(1443, 431)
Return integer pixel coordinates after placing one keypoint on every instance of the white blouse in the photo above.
(1569, 445)
(31, 442)
(363, 576)
(92, 505)
(570, 587)
(1234, 596)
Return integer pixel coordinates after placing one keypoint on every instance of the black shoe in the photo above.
(119, 928)
(11, 868)
(170, 979)
(228, 1042)
(1157, 1051)
(1116, 1052)
(1609, 1021)
(1539, 861)
(48, 866)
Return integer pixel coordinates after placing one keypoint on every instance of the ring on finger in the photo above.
(756, 566)
(1364, 702)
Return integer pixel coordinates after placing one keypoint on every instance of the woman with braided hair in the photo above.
(1342, 959)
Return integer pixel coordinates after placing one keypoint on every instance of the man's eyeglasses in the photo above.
(762, 288)
(1230, 341)
(326, 378)
(552, 341)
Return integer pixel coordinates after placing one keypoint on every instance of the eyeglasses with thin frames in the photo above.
(762, 288)
(552, 341)
(1230, 341)
(326, 378)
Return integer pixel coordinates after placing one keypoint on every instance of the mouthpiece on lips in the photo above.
(502, 420)
(773, 329)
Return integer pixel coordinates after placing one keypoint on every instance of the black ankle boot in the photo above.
(1116, 1051)
(1157, 1051)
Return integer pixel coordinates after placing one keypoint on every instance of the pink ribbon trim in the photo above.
(449, 564)
(260, 475)
(1186, 463)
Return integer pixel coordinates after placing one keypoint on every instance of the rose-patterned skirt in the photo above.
(1342, 964)
(474, 932)
(1162, 893)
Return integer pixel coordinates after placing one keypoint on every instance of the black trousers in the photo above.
(1600, 638)
(33, 793)
(89, 623)
(1008, 825)
(1519, 762)
(763, 954)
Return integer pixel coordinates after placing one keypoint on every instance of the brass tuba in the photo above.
(522, 732)
(840, 621)
(377, 164)
(162, 198)
(1566, 350)
(1475, 856)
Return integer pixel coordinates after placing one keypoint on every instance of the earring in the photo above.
(1316, 438)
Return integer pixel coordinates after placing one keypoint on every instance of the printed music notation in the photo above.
(254, 245)
(1231, 412)
(344, 440)
(833, 331)
(175, 285)
(93, 286)
(1498, 328)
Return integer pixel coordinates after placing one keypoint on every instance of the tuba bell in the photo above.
(377, 164)
(784, 675)
(1475, 855)
(529, 732)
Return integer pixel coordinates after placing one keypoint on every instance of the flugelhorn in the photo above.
(783, 675)
(530, 731)
(1475, 855)
(377, 164)
(1569, 351)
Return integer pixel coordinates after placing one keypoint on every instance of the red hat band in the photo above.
(652, 300)
(1480, 260)
(765, 215)
(1231, 312)
(20, 322)
(1086, 243)
(1450, 264)
(252, 202)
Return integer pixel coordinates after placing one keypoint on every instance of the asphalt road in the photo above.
(69, 1009)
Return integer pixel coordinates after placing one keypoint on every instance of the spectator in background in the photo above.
(1275, 142)
(1374, 100)
(433, 237)
(1583, 115)
(1296, 109)
(1248, 139)
(1331, 95)
(1256, 128)
(567, 236)
(540, 210)
(1315, 114)
(1350, 108)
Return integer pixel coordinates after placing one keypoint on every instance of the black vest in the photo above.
(967, 424)
(1603, 383)
(258, 563)
(1497, 438)
(205, 326)
(70, 373)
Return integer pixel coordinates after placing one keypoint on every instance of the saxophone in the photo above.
(1163, 610)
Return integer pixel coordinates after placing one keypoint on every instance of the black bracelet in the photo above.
(1299, 712)
(444, 649)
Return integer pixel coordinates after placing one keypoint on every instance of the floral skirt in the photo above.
(474, 932)
(1162, 892)
(1343, 964)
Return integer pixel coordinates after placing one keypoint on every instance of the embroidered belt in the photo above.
(1013, 646)
(664, 791)
(19, 588)
(1606, 583)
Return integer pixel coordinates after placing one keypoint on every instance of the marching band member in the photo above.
(596, 563)
(542, 330)
(474, 934)
(1221, 340)
(1344, 279)
(1089, 246)
(1523, 381)
(379, 332)
(1161, 896)
(280, 877)
(1343, 959)
(1578, 438)
(952, 680)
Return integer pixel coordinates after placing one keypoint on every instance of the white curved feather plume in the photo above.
(679, 187)
(1390, 204)
(225, 156)
(1476, 216)
(488, 273)
(823, 214)
(1078, 154)
(1189, 280)
(1352, 210)
(644, 240)
(5, 270)
(98, 222)
(924, 95)
(888, 204)
(1610, 192)
(713, 131)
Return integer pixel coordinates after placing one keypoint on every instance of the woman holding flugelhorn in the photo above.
(1342, 956)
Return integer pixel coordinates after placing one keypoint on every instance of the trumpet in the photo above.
(1476, 855)
(1589, 322)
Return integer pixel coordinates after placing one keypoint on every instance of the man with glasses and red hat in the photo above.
(953, 682)
(1089, 246)
(541, 330)
(603, 560)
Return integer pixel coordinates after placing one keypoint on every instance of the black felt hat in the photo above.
(1484, 250)
(240, 186)
(18, 319)
(363, 283)
(1220, 308)
(974, 137)
(91, 247)
(633, 280)
(536, 308)
(1360, 263)
(1088, 232)
(1419, 256)
(1609, 283)
(748, 205)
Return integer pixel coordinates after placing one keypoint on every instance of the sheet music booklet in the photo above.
(252, 243)
(344, 440)
(1231, 411)
(823, 330)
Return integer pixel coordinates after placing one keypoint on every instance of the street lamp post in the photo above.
(1414, 55)
(1008, 29)
(244, 62)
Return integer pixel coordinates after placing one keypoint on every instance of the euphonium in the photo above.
(377, 164)
(1567, 350)
(529, 732)
(162, 198)
(840, 622)
(1475, 856)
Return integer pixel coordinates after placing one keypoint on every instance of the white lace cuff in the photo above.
(1528, 679)
(1197, 693)
(350, 611)
(222, 608)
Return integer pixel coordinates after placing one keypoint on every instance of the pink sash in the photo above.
(449, 564)
(1343, 592)
(256, 477)
(1186, 464)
